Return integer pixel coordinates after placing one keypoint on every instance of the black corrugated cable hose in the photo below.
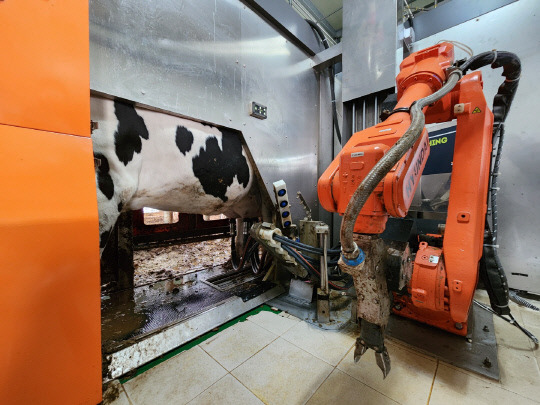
(511, 71)
(319, 32)
(491, 270)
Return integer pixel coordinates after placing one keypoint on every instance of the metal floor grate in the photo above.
(229, 281)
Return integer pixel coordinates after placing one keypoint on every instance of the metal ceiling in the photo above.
(328, 14)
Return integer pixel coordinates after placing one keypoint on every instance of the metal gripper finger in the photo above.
(360, 350)
(383, 361)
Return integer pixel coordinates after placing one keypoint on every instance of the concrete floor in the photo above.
(279, 359)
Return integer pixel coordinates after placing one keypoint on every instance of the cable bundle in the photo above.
(294, 249)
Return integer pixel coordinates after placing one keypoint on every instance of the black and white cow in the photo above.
(150, 159)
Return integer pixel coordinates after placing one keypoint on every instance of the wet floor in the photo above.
(131, 315)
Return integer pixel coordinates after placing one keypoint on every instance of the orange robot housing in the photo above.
(50, 345)
(443, 281)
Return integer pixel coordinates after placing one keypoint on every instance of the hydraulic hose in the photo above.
(312, 271)
(304, 247)
(298, 258)
(315, 262)
(389, 160)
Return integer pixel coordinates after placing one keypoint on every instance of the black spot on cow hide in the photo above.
(184, 139)
(216, 168)
(103, 238)
(131, 128)
(104, 179)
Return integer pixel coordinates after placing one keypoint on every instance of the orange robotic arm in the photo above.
(377, 172)
(421, 74)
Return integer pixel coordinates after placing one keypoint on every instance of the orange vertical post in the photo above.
(50, 344)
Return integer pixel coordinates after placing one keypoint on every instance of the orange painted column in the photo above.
(50, 343)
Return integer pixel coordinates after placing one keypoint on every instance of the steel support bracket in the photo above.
(328, 57)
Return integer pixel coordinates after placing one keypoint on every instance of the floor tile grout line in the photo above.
(269, 343)
(411, 349)
(333, 367)
(203, 391)
(258, 351)
(471, 374)
(204, 351)
(517, 393)
(244, 385)
(311, 354)
(212, 357)
(292, 326)
(497, 384)
(345, 355)
(508, 346)
(127, 395)
(221, 365)
(314, 355)
(302, 321)
(480, 377)
(320, 385)
(225, 368)
(367, 385)
(433, 382)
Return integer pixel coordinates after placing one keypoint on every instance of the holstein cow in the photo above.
(150, 159)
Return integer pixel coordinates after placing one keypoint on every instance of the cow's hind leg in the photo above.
(116, 185)
(108, 215)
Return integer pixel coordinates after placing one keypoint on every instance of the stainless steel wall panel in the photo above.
(281, 77)
(289, 22)
(369, 46)
(177, 56)
(515, 28)
(452, 13)
(208, 60)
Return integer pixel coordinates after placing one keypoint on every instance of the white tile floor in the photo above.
(279, 359)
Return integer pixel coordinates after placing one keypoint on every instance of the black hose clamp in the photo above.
(453, 69)
(385, 113)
